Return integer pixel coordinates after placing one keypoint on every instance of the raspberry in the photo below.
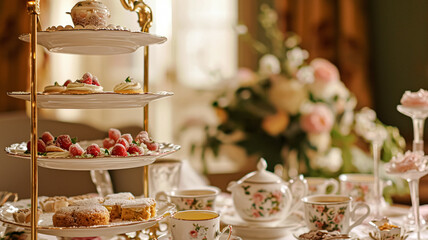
(108, 143)
(135, 149)
(142, 137)
(67, 82)
(114, 134)
(41, 146)
(47, 138)
(95, 81)
(93, 149)
(87, 75)
(87, 81)
(152, 146)
(128, 137)
(76, 150)
(119, 150)
(63, 141)
(124, 142)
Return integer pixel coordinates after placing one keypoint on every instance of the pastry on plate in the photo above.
(88, 84)
(129, 86)
(55, 88)
(52, 204)
(78, 216)
(139, 209)
(24, 215)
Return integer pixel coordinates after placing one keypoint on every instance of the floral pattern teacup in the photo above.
(193, 199)
(319, 185)
(332, 213)
(359, 186)
(197, 225)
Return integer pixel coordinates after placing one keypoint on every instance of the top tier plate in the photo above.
(94, 42)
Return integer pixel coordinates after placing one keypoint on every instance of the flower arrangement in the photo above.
(290, 109)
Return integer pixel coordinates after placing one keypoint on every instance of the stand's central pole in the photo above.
(34, 11)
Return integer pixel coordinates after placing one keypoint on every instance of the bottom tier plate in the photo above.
(164, 209)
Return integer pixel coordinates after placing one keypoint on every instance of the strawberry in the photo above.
(63, 141)
(152, 146)
(114, 134)
(124, 142)
(76, 150)
(41, 146)
(87, 81)
(142, 137)
(128, 137)
(47, 138)
(135, 149)
(95, 81)
(67, 82)
(93, 149)
(108, 143)
(119, 150)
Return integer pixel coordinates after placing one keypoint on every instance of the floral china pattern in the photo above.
(328, 218)
(264, 203)
(358, 192)
(198, 232)
(195, 204)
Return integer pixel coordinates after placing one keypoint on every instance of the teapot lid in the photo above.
(90, 4)
(261, 175)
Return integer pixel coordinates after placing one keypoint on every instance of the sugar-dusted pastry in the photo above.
(55, 88)
(86, 202)
(24, 215)
(77, 216)
(139, 210)
(415, 99)
(129, 86)
(122, 195)
(114, 207)
(52, 204)
(88, 84)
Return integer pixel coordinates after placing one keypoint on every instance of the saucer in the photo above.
(168, 237)
(250, 230)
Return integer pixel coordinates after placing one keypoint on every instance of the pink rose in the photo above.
(324, 71)
(246, 77)
(407, 162)
(318, 224)
(319, 119)
(256, 213)
(258, 198)
(415, 99)
(278, 195)
(189, 201)
(193, 234)
(320, 208)
(338, 218)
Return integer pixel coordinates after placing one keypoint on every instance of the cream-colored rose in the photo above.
(332, 161)
(321, 141)
(275, 124)
(269, 65)
(316, 118)
(327, 91)
(324, 71)
(287, 95)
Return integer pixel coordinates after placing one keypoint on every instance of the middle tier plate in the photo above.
(94, 163)
(104, 100)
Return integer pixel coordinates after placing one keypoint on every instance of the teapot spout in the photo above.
(231, 186)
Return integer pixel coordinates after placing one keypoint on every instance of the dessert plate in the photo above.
(250, 231)
(95, 163)
(45, 226)
(104, 100)
(94, 42)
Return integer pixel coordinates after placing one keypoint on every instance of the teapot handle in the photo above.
(299, 189)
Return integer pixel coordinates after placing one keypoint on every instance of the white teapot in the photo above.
(263, 198)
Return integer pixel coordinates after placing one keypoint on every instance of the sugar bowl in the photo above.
(90, 12)
(262, 197)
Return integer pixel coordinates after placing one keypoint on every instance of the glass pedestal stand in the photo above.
(102, 181)
(412, 177)
(418, 116)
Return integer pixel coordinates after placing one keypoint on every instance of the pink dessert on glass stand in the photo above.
(415, 99)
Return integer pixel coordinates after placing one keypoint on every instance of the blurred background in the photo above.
(380, 48)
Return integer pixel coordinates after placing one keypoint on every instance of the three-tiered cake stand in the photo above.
(100, 42)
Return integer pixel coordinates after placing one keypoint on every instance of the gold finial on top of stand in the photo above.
(33, 6)
(145, 15)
